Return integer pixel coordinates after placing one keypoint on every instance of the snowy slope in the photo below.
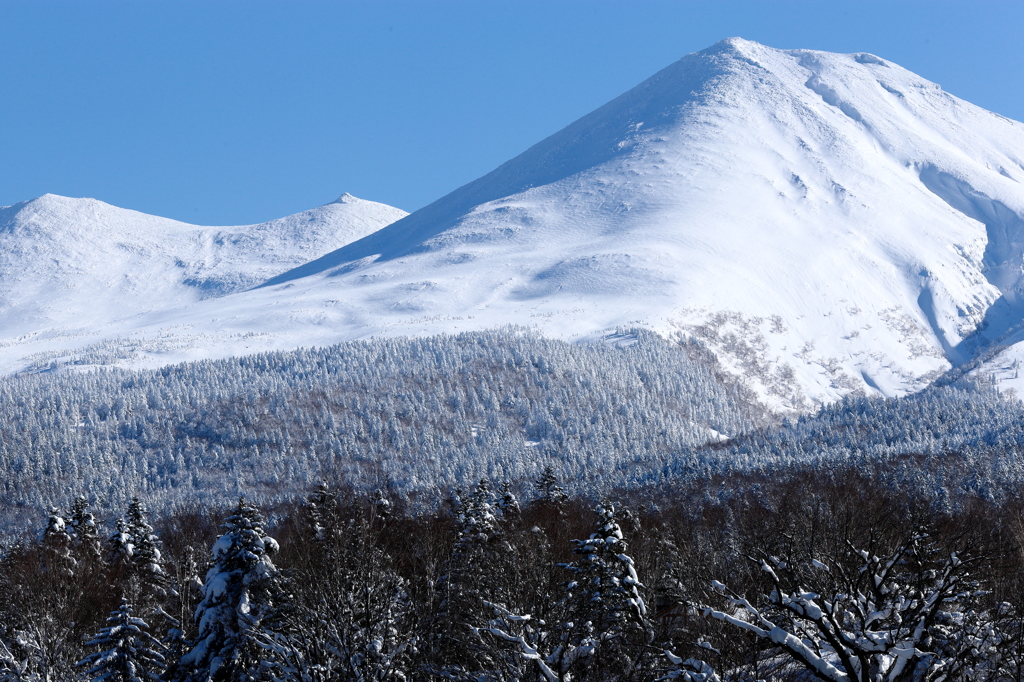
(74, 266)
(828, 223)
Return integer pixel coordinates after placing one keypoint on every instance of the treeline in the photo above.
(830, 574)
(416, 416)
(949, 443)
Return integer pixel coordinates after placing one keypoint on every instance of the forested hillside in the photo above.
(948, 441)
(415, 416)
(429, 517)
(420, 416)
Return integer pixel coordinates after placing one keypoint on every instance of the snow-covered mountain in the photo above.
(70, 268)
(827, 223)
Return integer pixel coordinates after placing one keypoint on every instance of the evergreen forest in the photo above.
(496, 506)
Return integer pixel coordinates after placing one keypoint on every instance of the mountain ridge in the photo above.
(706, 89)
(826, 223)
(63, 259)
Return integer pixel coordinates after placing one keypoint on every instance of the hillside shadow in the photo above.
(1002, 261)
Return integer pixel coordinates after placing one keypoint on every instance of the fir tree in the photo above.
(603, 633)
(129, 653)
(242, 597)
(381, 504)
(57, 546)
(548, 489)
(507, 502)
(605, 612)
(84, 531)
(149, 582)
(471, 579)
(321, 512)
(119, 549)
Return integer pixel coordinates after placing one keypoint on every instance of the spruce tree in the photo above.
(243, 597)
(128, 652)
(605, 610)
(149, 582)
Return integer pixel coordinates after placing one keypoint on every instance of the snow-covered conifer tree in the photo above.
(120, 548)
(605, 612)
(381, 504)
(548, 489)
(48, 599)
(84, 531)
(57, 543)
(242, 597)
(321, 507)
(471, 578)
(149, 583)
(603, 634)
(507, 502)
(128, 652)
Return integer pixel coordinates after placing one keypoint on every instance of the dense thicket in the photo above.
(895, 523)
(416, 416)
(693, 587)
(947, 442)
(419, 416)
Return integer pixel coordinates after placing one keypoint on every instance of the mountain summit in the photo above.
(827, 223)
(75, 266)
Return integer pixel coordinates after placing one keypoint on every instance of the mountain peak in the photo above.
(735, 44)
(50, 199)
(826, 223)
(740, 49)
(738, 185)
(84, 264)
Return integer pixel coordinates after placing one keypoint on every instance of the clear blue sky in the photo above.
(220, 113)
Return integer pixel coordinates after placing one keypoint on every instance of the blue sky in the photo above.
(220, 113)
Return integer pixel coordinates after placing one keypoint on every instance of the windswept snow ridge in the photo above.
(826, 223)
